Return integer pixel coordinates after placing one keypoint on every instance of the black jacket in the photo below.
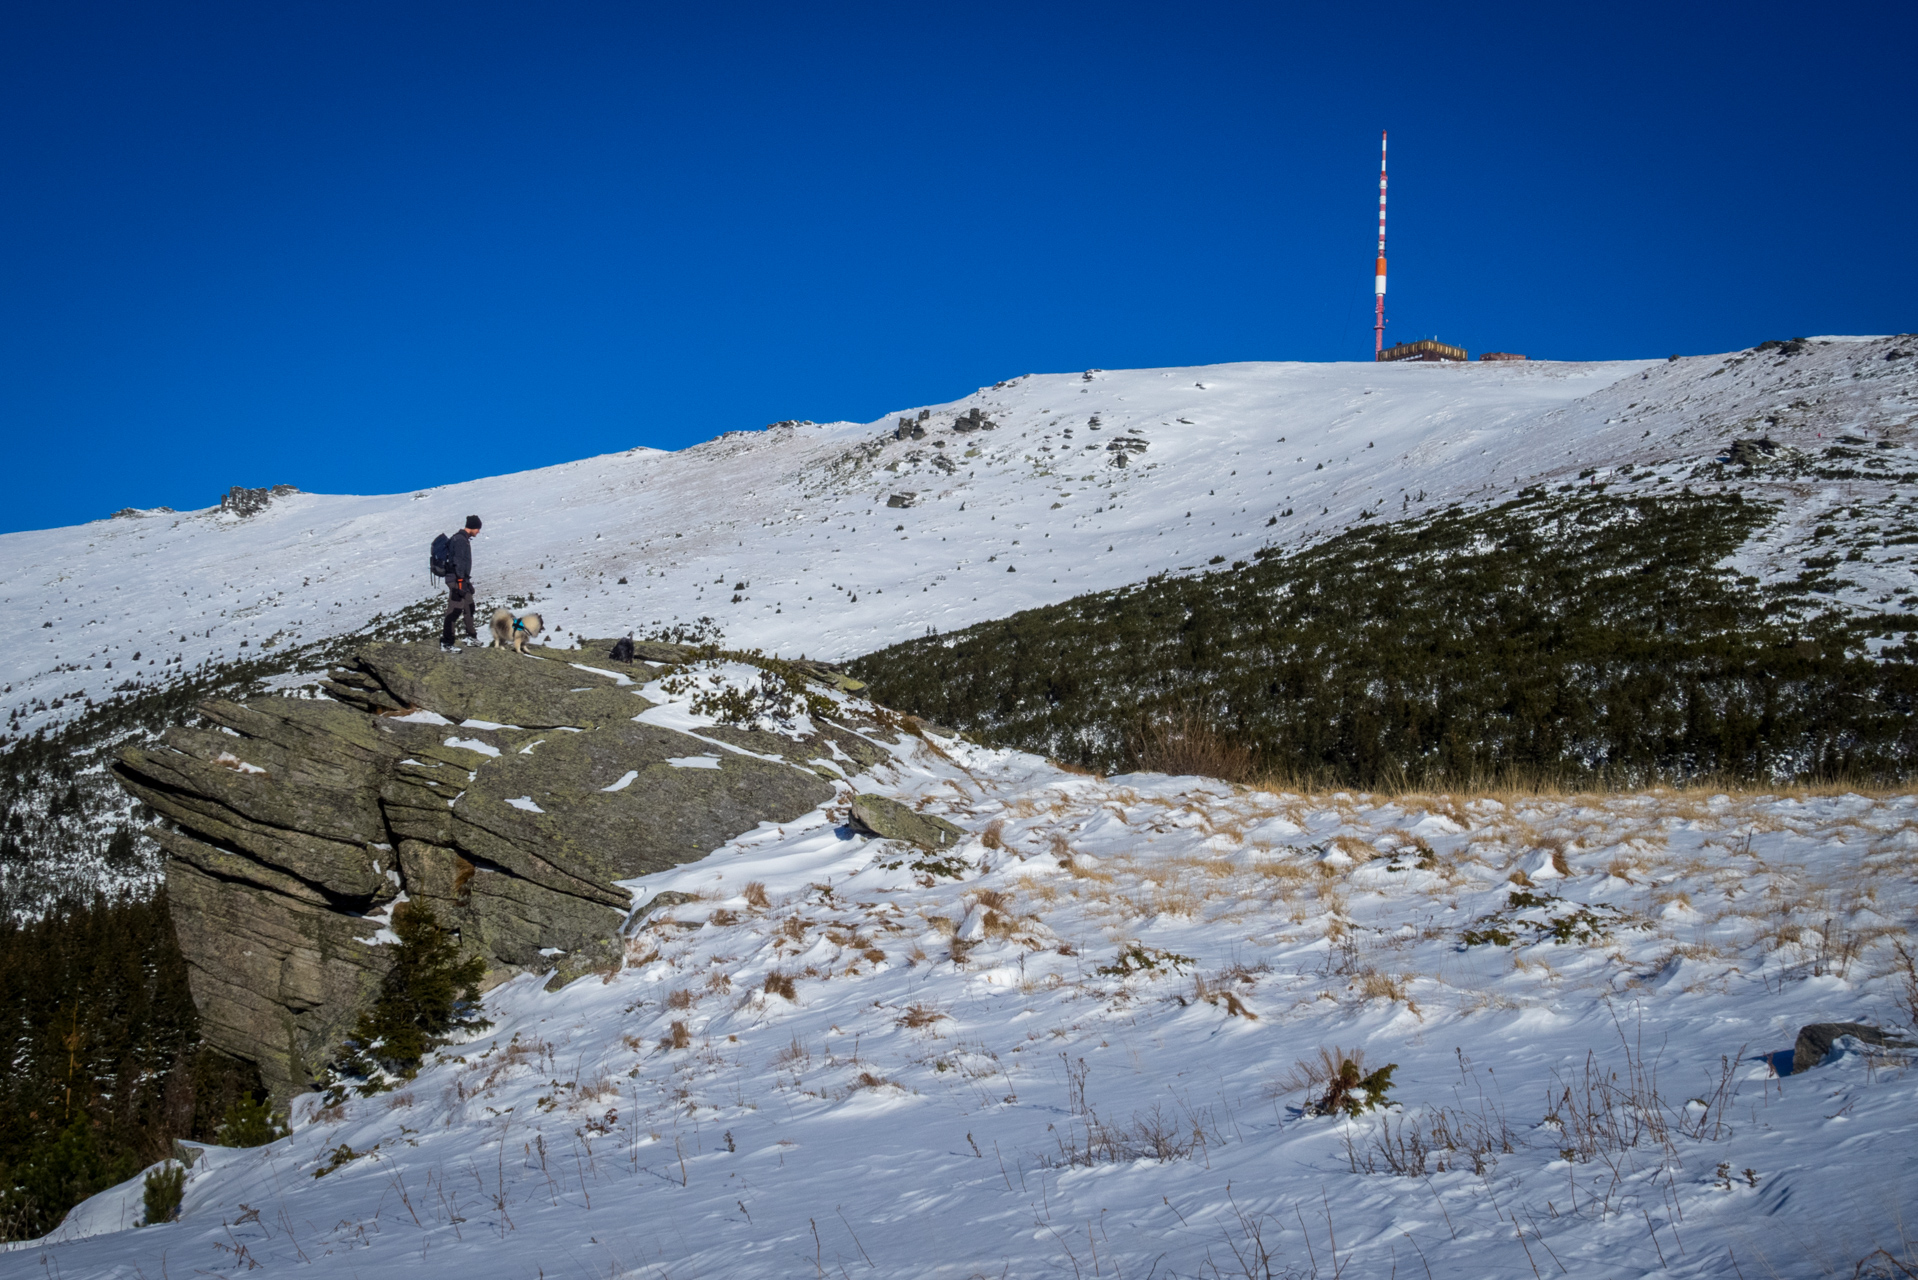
(460, 550)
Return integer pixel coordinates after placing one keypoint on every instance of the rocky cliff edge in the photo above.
(511, 793)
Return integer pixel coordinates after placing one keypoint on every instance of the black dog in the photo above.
(622, 650)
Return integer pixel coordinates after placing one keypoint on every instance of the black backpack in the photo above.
(622, 650)
(440, 561)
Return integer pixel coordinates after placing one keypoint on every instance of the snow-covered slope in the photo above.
(1072, 1046)
(1031, 511)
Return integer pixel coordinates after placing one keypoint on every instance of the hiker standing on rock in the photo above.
(459, 583)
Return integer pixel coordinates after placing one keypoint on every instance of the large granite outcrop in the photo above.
(513, 809)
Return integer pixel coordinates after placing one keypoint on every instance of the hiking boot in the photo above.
(447, 646)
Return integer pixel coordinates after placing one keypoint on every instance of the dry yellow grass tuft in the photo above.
(1166, 900)
(1087, 869)
(1000, 926)
(599, 1088)
(993, 900)
(1628, 867)
(921, 1015)
(1375, 985)
(1291, 873)
(1186, 740)
(1037, 890)
(1066, 766)
(1219, 994)
(1440, 806)
(1354, 848)
(793, 1055)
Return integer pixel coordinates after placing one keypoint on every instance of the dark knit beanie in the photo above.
(472, 522)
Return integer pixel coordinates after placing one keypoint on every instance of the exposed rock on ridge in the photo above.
(242, 502)
(292, 825)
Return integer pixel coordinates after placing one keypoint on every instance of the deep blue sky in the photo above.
(373, 247)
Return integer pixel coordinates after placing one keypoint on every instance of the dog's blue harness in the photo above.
(518, 625)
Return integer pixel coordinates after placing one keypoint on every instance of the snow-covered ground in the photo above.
(786, 538)
(1073, 1046)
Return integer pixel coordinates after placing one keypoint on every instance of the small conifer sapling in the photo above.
(428, 993)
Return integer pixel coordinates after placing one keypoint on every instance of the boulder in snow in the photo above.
(891, 820)
(1816, 1039)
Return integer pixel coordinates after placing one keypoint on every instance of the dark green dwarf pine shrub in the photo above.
(250, 1122)
(428, 993)
(164, 1188)
(1588, 637)
(56, 1173)
(1351, 1089)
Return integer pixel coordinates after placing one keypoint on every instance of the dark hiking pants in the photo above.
(459, 606)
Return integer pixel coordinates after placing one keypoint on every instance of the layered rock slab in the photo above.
(277, 980)
(624, 800)
(509, 792)
(500, 686)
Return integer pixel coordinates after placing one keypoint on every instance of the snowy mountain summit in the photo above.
(837, 539)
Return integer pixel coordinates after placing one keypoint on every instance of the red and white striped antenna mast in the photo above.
(1378, 286)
